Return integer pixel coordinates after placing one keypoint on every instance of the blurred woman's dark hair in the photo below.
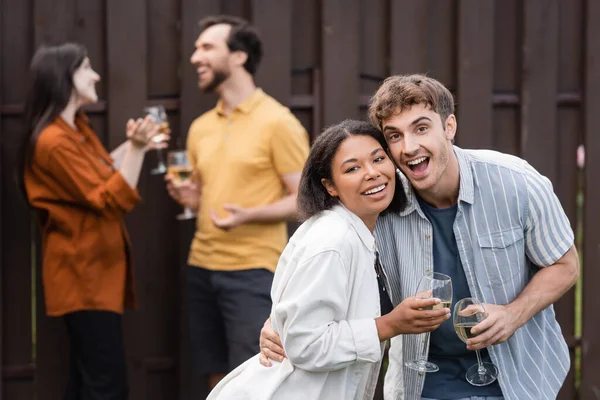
(50, 88)
(312, 194)
(242, 37)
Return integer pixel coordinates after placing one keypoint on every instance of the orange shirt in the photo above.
(81, 200)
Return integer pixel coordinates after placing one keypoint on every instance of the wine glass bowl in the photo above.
(468, 313)
(431, 285)
(182, 171)
(159, 116)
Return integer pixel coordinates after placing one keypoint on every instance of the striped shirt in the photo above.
(509, 224)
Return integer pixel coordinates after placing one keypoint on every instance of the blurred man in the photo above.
(247, 154)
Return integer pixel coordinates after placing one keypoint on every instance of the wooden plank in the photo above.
(475, 73)
(193, 104)
(340, 74)
(273, 19)
(15, 227)
(591, 229)
(539, 86)
(127, 74)
(407, 36)
(163, 56)
(507, 45)
(539, 133)
(374, 47)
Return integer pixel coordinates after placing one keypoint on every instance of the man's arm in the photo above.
(549, 244)
(545, 288)
(281, 210)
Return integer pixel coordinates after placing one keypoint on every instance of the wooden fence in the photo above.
(526, 75)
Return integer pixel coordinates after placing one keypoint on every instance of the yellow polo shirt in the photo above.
(241, 159)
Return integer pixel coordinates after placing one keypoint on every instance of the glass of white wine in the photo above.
(432, 285)
(469, 312)
(180, 168)
(159, 115)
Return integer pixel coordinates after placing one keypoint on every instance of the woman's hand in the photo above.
(144, 134)
(270, 345)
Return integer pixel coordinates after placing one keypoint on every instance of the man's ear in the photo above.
(329, 187)
(240, 57)
(450, 127)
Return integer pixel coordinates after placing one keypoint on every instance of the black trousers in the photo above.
(98, 370)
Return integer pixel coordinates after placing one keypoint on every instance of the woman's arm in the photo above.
(309, 316)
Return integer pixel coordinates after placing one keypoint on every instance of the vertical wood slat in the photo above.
(1, 208)
(539, 134)
(51, 344)
(539, 85)
(475, 73)
(273, 19)
(408, 40)
(591, 229)
(126, 60)
(193, 104)
(340, 74)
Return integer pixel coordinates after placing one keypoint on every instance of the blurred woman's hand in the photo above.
(145, 134)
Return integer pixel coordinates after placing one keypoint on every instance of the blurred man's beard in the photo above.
(218, 78)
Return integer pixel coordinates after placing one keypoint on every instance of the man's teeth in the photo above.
(375, 190)
(417, 161)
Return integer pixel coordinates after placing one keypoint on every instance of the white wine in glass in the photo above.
(159, 115)
(469, 312)
(182, 171)
(432, 285)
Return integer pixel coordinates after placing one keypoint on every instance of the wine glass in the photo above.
(159, 115)
(180, 168)
(432, 285)
(469, 312)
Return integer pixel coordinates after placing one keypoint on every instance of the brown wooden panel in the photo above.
(506, 130)
(440, 27)
(591, 231)
(126, 96)
(240, 8)
(306, 30)
(163, 56)
(273, 19)
(339, 60)
(408, 37)
(570, 45)
(475, 73)
(539, 86)
(507, 45)
(374, 64)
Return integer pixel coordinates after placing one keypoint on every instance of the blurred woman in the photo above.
(327, 292)
(81, 194)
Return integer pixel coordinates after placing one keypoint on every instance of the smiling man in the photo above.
(491, 222)
(247, 154)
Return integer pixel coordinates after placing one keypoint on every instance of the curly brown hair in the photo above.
(400, 92)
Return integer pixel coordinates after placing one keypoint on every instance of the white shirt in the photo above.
(325, 301)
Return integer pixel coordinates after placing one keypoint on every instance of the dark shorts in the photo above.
(227, 310)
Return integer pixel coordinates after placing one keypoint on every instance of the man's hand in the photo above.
(186, 193)
(270, 345)
(411, 316)
(499, 325)
(237, 216)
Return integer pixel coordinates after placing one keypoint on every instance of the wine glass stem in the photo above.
(480, 367)
(423, 357)
(161, 160)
